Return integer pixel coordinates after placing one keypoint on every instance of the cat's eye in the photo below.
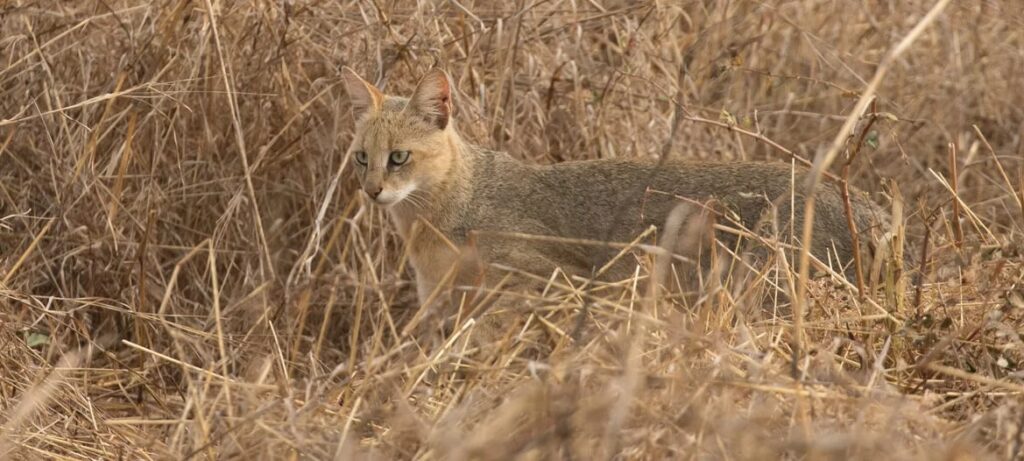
(399, 157)
(361, 157)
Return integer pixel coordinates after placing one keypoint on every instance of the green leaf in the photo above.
(727, 117)
(34, 339)
(872, 139)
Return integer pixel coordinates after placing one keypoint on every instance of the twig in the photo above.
(958, 230)
(851, 224)
(25, 254)
(923, 262)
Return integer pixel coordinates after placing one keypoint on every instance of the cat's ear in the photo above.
(362, 94)
(432, 99)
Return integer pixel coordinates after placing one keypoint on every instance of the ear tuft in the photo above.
(432, 99)
(362, 94)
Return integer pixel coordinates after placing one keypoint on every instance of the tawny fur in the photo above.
(464, 200)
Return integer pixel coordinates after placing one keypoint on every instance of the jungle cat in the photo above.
(456, 204)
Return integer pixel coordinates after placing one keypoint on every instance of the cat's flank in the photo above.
(457, 205)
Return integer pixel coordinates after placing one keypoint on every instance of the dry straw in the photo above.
(187, 269)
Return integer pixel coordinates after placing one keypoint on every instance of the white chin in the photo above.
(390, 198)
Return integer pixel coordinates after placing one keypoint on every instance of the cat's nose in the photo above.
(374, 191)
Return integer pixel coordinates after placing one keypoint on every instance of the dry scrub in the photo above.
(187, 269)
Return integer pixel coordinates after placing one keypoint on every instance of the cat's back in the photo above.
(584, 198)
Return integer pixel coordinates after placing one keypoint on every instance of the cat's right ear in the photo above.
(362, 94)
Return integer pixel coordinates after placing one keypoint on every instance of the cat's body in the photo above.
(462, 209)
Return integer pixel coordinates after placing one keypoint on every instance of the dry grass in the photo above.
(186, 269)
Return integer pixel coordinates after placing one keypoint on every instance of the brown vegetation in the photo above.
(187, 269)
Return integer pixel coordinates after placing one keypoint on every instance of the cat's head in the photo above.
(401, 145)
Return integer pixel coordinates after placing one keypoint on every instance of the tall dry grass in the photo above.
(186, 269)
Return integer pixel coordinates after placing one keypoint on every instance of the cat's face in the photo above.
(400, 149)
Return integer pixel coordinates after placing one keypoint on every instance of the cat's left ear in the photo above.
(432, 99)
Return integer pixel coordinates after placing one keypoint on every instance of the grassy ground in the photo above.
(187, 269)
